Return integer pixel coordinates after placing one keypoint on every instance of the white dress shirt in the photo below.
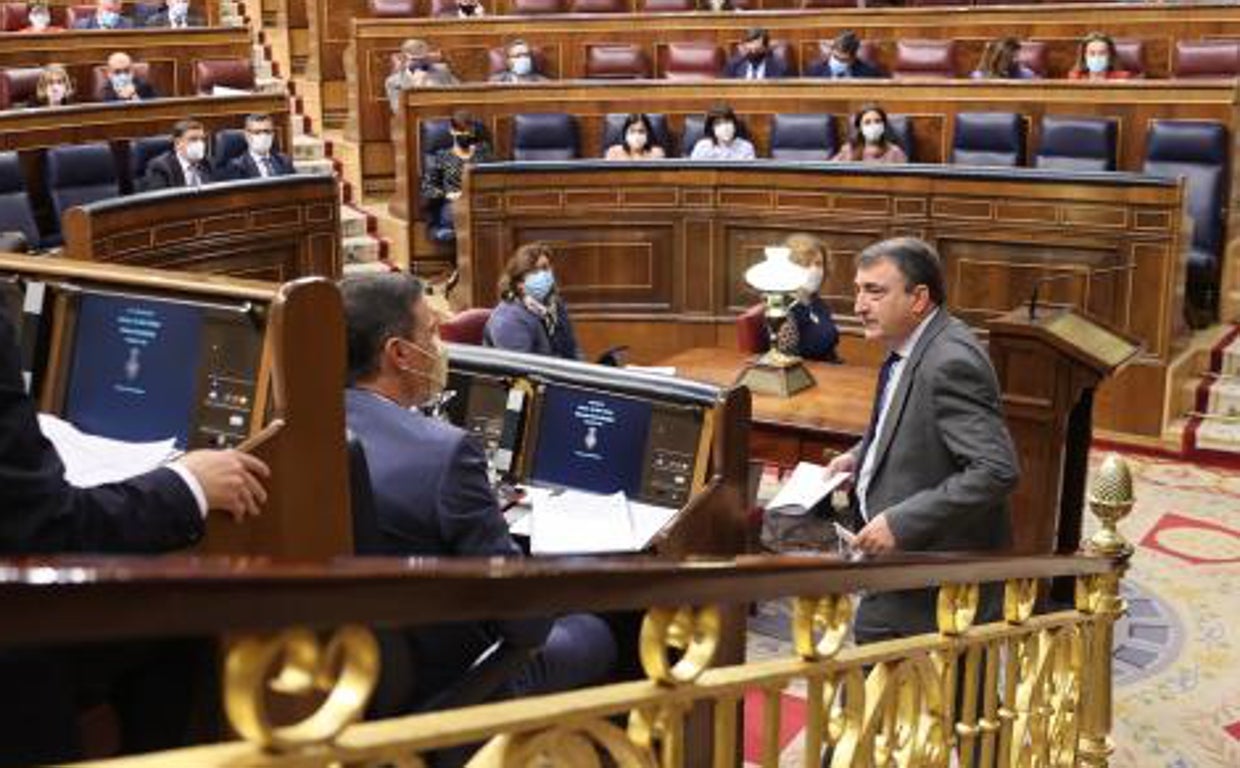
(190, 171)
(866, 471)
(263, 163)
(753, 72)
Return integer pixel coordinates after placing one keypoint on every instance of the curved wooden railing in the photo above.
(1031, 689)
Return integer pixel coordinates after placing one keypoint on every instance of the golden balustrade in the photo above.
(1029, 689)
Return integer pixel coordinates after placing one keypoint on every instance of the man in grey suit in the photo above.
(937, 464)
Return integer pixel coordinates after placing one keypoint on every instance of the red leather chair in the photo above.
(497, 61)
(692, 61)
(230, 73)
(668, 6)
(616, 61)
(1203, 59)
(75, 12)
(442, 9)
(1033, 54)
(465, 327)
(536, 7)
(17, 86)
(750, 330)
(1131, 55)
(395, 9)
(599, 6)
(13, 17)
(925, 58)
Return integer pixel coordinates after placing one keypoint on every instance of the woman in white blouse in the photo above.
(721, 141)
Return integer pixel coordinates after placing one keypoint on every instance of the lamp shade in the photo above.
(776, 273)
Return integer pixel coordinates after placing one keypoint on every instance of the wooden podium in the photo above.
(1049, 361)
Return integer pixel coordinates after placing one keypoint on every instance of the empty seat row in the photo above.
(17, 85)
(77, 174)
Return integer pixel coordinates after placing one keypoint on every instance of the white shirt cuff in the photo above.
(195, 487)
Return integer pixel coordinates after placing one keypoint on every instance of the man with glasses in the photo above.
(260, 160)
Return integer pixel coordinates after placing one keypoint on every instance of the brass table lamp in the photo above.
(777, 279)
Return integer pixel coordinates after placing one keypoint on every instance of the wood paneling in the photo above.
(991, 263)
(271, 229)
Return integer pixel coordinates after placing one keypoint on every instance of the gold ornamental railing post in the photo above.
(1110, 501)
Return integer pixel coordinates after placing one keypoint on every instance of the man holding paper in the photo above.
(433, 497)
(937, 464)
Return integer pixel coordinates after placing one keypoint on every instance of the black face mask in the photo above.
(419, 65)
(468, 10)
(756, 57)
(463, 140)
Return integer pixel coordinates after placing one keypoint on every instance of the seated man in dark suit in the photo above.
(840, 60)
(107, 15)
(175, 15)
(40, 512)
(123, 84)
(433, 497)
(185, 164)
(754, 60)
(260, 160)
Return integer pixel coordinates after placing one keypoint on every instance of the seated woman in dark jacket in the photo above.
(531, 316)
(809, 331)
(441, 178)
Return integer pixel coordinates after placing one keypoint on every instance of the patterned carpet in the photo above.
(1177, 653)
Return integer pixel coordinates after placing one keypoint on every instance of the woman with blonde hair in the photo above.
(55, 87)
(809, 330)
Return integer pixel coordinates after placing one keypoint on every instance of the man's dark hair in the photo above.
(916, 260)
(847, 42)
(757, 33)
(257, 117)
(376, 308)
(182, 127)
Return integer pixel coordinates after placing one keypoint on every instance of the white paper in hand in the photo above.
(92, 460)
(579, 523)
(807, 486)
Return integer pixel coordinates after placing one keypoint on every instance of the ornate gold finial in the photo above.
(1111, 499)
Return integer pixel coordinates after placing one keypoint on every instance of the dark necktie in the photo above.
(884, 378)
(268, 167)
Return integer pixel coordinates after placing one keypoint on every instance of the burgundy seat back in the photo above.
(616, 61)
(750, 325)
(667, 6)
(230, 73)
(13, 16)
(599, 6)
(536, 7)
(925, 58)
(74, 13)
(1131, 55)
(441, 9)
(1199, 59)
(465, 327)
(395, 9)
(17, 86)
(828, 3)
(692, 61)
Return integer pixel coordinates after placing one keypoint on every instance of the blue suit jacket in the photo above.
(244, 167)
(514, 327)
(737, 66)
(41, 512)
(432, 497)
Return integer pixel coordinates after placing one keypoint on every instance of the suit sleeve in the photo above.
(156, 177)
(471, 522)
(41, 513)
(970, 424)
(515, 336)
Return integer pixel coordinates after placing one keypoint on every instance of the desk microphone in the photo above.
(1037, 284)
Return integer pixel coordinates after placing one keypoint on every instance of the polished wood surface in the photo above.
(300, 432)
(78, 599)
(271, 229)
(172, 53)
(831, 416)
(630, 241)
(565, 42)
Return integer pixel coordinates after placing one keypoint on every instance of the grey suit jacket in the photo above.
(944, 466)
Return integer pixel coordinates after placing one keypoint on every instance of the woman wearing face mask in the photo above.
(39, 19)
(721, 141)
(1097, 59)
(55, 87)
(1001, 61)
(441, 178)
(636, 141)
(809, 331)
(870, 140)
(531, 317)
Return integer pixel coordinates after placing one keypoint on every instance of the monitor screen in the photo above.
(134, 365)
(590, 440)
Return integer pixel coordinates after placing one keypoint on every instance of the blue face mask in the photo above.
(108, 18)
(121, 80)
(838, 68)
(1097, 64)
(539, 284)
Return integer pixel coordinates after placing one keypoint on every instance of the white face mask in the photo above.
(260, 143)
(873, 132)
(636, 140)
(40, 20)
(437, 375)
(56, 92)
(522, 65)
(1097, 63)
(195, 151)
(725, 132)
(178, 11)
(813, 281)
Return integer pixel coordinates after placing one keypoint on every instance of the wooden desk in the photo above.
(832, 416)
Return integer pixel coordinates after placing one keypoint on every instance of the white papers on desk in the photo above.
(662, 370)
(807, 486)
(580, 523)
(92, 460)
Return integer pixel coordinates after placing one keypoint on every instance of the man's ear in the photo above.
(393, 354)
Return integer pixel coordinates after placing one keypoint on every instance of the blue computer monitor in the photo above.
(591, 440)
(133, 368)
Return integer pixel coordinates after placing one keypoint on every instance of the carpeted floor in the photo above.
(1177, 653)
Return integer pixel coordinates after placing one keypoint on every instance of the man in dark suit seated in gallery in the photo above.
(176, 14)
(936, 466)
(433, 497)
(123, 84)
(107, 15)
(182, 166)
(40, 512)
(260, 160)
(754, 60)
(841, 60)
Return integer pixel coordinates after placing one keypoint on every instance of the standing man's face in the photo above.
(889, 312)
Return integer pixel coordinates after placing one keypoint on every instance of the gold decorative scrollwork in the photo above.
(830, 615)
(344, 674)
(1019, 598)
(898, 719)
(694, 634)
(1047, 702)
(957, 607)
(576, 746)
